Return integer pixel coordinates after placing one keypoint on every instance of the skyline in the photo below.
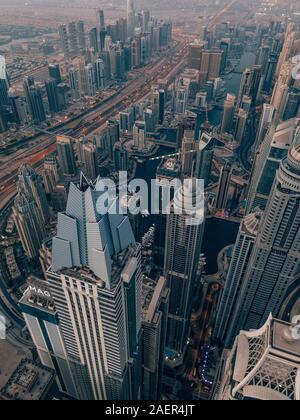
(150, 203)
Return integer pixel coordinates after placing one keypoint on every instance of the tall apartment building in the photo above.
(273, 149)
(182, 255)
(31, 183)
(155, 302)
(28, 223)
(93, 336)
(66, 157)
(274, 264)
(224, 182)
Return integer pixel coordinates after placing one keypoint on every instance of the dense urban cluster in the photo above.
(198, 305)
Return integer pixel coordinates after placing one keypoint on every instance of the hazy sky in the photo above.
(53, 11)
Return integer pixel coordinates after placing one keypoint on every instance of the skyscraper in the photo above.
(90, 161)
(263, 365)
(204, 158)
(50, 174)
(4, 85)
(74, 83)
(90, 84)
(264, 124)
(95, 282)
(250, 85)
(187, 157)
(102, 30)
(239, 262)
(112, 136)
(54, 72)
(66, 158)
(81, 35)
(100, 76)
(130, 18)
(31, 183)
(274, 264)
(273, 149)
(64, 39)
(139, 135)
(52, 94)
(93, 40)
(73, 37)
(241, 125)
(227, 119)
(34, 101)
(224, 182)
(182, 255)
(28, 223)
(121, 158)
(155, 305)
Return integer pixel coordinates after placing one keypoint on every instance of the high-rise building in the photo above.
(281, 88)
(54, 72)
(81, 35)
(121, 158)
(274, 264)
(228, 113)
(74, 83)
(139, 135)
(112, 136)
(28, 223)
(93, 40)
(149, 121)
(292, 105)
(65, 153)
(167, 173)
(187, 155)
(181, 99)
(64, 39)
(95, 284)
(136, 51)
(104, 55)
(130, 18)
(182, 254)
(100, 77)
(90, 84)
(102, 30)
(90, 161)
(31, 183)
(204, 158)
(126, 120)
(239, 262)
(50, 174)
(4, 85)
(288, 49)
(273, 149)
(264, 124)
(73, 37)
(34, 100)
(158, 105)
(250, 85)
(241, 125)
(224, 183)
(16, 105)
(195, 54)
(3, 120)
(263, 365)
(52, 94)
(155, 306)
